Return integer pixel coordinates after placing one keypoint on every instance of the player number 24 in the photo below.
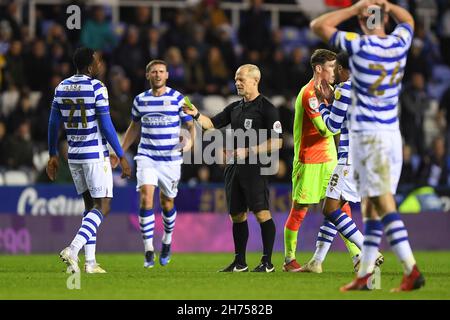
(373, 88)
(73, 107)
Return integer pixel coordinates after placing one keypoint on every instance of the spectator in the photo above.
(97, 31)
(178, 32)
(276, 79)
(121, 102)
(8, 19)
(226, 46)
(299, 72)
(38, 67)
(154, 46)
(3, 146)
(254, 29)
(434, 170)
(198, 40)
(15, 65)
(175, 66)
(42, 111)
(408, 175)
(444, 34)
(414, 103)
(23, 112)
(130, 57)
(19, 148)
(416, 62)
(443, 116)
(194, 73)
(216, 73)
(142, 20)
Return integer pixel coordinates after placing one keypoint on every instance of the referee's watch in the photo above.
(196, 116)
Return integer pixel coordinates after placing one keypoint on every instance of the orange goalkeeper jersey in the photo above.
(309, 145)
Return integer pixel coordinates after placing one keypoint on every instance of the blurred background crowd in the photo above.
(203, 42)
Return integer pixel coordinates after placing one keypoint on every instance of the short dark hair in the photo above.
(155, 62)
(83, 58)
(342, 59)
(321, 56)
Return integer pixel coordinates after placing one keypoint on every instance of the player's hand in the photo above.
(114, 159)
(52, 167)
(324, 92)
(126, 170)
(188, 110)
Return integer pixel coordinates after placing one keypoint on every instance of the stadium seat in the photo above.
(40, 160)
(233, 98)
(9, 100)
(34, 98)
(213, 104)
(278, 101)
(16, 178)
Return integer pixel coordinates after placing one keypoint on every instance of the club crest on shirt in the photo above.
(248, 123)
(277, 127)
(314, 104)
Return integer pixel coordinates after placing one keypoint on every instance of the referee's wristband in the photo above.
(196, 116)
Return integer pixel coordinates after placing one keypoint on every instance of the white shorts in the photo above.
(377, 161)
(342, 186)
(96, 177)
(163, 176)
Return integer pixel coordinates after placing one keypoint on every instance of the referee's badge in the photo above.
(248, 123)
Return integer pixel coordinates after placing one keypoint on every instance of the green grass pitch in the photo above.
(195, 276)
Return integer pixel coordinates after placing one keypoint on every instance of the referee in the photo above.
(245, 186)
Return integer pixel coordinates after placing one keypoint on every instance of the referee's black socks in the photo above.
(268, 239)
(240, 237)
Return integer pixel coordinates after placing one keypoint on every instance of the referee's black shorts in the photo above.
(246, 189)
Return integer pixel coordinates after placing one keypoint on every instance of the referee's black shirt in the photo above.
(258, 114)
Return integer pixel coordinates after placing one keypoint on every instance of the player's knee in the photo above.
(146, 202)
(167, 204)
(263, 216)
(238, 217)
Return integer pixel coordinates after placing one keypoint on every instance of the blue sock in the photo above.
(147, 225)
(369, 252)
(89, 225)
(397, 236)
(325, 238)
(346, 227)
(169, 224)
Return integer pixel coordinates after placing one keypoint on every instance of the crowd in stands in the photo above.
(203, 50)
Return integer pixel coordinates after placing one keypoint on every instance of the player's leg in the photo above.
(397, 236)
(147, 180)
(291, 228)
(238, 214)
(240, 238)
(300, 205)
(96, 178)
(337, 189)
(169, 215)
(168, 177)
(90, 246)
(352, 248)
(147, 222)
(256, 192)
(268, 233)
(325, 238)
